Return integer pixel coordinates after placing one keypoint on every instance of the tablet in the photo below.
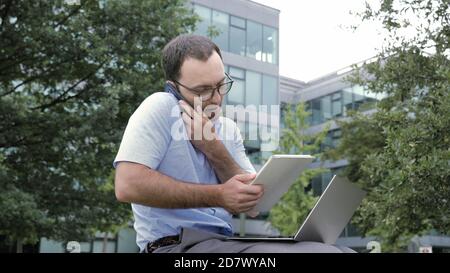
(277, 175)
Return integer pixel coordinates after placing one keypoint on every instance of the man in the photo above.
(184, 191)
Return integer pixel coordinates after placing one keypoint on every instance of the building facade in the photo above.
(247, 34)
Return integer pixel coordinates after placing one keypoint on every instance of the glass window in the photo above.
(255, 157)
(375, 96)
(352, 231)
(336, 104)
(358, 90)
(327, 142)
(270, 45)
(254, 40)
(326, 178)
(85, 247)
(316, 113)
(336, 96)
(337, 108)
(283, 110)
(347, 100)
(269, 138)
(253, 88)
(205, 16)
(237, 22)
(358, 96)
(358, 93)
(237, 35)
(316, 183)
(237, 73)
(252, 141)
(309, 111)
(237, 41)
(325, 105)
(320, 182)
(236, 95)
(98, 246)
(370, 98)
(335, 137)
(270, 90)
(220, 21)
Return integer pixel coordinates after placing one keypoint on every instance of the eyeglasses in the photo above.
(207, 93)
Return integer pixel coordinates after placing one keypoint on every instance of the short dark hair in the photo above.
(182, 47)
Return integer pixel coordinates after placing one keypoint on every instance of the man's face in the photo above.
(202, 75)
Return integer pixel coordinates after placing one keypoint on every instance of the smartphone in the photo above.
(169, 88)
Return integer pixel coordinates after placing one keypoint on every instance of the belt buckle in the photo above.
(164, 241)
(152, 247)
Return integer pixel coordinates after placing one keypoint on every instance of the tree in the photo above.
(295, 204)
(70, 77)
(401, 153)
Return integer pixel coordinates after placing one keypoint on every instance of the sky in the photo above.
(315, 40)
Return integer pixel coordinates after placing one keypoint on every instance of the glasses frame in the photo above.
(213, 89)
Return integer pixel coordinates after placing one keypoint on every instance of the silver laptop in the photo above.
(329, 216)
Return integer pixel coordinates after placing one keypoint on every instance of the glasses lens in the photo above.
(206, 96)
(225, 88)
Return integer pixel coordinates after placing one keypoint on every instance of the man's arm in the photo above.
(222, 162)
(136, 183)
(203, 136)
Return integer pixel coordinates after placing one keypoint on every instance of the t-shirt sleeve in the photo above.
(239, 152)
(147, 135)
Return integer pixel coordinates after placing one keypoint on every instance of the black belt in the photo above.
(164, 241)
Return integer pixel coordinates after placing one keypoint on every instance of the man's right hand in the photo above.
(236, 196)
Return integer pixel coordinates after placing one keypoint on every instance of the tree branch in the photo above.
(7, 7)
(61, 98)
(16, 62)
(19, 85)
(70, 14)
(46, 73)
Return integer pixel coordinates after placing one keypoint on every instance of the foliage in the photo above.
(401, 153)
(70, 77)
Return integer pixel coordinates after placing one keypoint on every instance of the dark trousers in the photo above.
(197, 241)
